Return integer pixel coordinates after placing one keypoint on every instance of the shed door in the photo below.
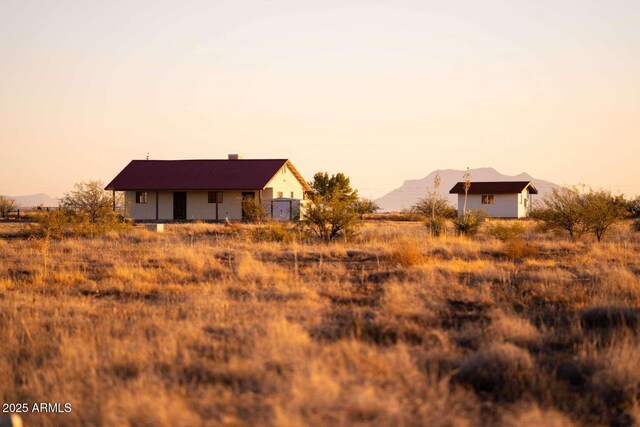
(179, 205)
(281, 210)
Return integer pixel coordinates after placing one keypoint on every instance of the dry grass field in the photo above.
(205, 326)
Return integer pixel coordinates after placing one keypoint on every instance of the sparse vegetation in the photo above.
(435, 205)
(505, 231)
(213, 324)
(7, 205)
(579, 212)
(85, 212)
(469, 223)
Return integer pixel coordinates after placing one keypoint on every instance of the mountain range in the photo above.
(411, 190)
(34, 200)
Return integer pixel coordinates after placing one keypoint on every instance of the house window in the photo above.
(280, 194)
(487, 199)
(292, 194)
(141, 197)
(520, 198)
(215, 197)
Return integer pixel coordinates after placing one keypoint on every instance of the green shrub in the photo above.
(436, 226)
(469, 224)
(506, 231)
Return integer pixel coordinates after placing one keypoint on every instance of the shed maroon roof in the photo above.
(242, 174)
(495, 187)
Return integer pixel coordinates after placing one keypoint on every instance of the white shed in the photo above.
(500, 199)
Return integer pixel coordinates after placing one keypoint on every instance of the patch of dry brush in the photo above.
(211, 325)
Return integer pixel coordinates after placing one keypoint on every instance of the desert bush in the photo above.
(275, 232)
(514, 329)
(435, 204)
(519, 249)
(469, 224)
(55, 224)
(634, 207)
(436, 226)
(406, 253)
(365, 206)
(505, 230)
(7, 205)
(254, 210)
(503, 370)
(64, 223)
(635, 225)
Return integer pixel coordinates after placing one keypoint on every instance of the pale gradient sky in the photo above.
(381, 90)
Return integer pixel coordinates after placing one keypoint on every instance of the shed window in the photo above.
(280, 194)
(520, 198)
(487, 199)
(215, 197)
(141, 197)
(292, 194)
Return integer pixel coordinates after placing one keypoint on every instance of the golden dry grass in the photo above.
(204, 325)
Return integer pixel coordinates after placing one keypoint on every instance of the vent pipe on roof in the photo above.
(235, 157)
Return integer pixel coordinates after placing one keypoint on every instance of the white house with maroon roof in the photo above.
(500, 199)
(210, 190)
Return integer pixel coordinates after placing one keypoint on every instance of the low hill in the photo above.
(34, 200)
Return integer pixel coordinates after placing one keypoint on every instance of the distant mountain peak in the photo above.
(33, 200)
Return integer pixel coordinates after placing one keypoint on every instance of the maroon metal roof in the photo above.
(495, 187)
(243, 174)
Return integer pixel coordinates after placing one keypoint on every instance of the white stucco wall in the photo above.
(286, 182)
(504, 206)
(141, 211)
(197, 206)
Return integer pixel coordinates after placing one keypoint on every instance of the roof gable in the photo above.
(495, 187)
(223, 174)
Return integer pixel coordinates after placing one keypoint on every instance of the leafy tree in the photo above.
(365, 206)
(579, 212)
(563, 209)
(332, 212)
(89, 199)
(334, 186)
(602, 210)
(7, 205)
(88, 211)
